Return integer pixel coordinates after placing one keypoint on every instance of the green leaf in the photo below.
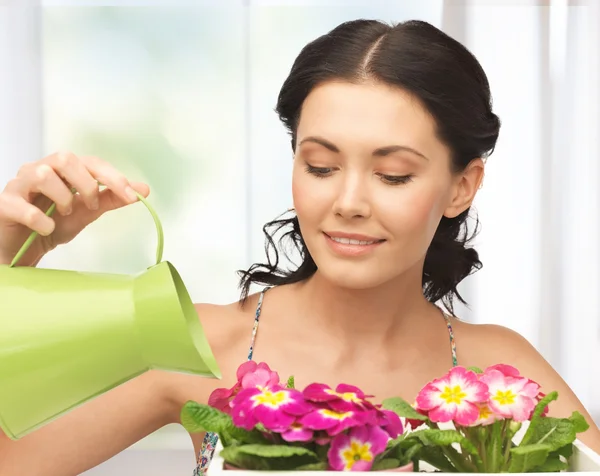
(579, 423)
(402, 449)
(551, 465)
(402, 408)
(536, 417)
(410, 454)
(445, 438)
(322, 466)
(290, 382)
(387, 463)
(565, 451)
(268, 457)
(477, 370)
(196, 417)
(276, 451)
(233, 456)
(556, 432)
(525, 458)
(435, 457)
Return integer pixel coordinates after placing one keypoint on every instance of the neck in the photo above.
(364, 317)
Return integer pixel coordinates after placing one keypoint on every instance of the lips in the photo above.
(349, 245)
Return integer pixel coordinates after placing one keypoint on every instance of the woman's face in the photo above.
(371, 182)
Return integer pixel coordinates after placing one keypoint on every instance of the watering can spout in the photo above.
(67, 337)
(170, 345)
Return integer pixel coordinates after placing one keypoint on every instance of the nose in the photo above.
(353, 198)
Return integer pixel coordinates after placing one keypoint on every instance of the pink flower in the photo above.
(344, 398)
(249, 375)
(486, 416)
(506, 369)
(511, 371)
(453, 397)
(275, 407)
(511, 397)
(332, 421)
(357, 450)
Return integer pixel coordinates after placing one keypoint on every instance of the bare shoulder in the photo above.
(228, 329)
(482, 345)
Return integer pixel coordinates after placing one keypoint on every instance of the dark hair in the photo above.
(453, 88)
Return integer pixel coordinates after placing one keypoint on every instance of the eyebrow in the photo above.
(379, 152)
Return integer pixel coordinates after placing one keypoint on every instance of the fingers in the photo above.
(50, 185)
(109, 200)
(107, 175)
(18, 210)
(67, 166)
(57, 175)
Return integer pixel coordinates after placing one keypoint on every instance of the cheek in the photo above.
(309, 198)
(415, 212)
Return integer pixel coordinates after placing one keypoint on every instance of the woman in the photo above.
(389, 130)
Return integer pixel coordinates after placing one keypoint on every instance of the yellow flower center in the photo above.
(484, 412)
(505, 398)
(357, 451)
(346, 396)
(335, 415)
(453, 395)
(270, 399)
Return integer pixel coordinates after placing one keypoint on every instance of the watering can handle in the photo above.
(50, 211)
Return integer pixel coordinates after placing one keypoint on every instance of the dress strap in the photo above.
(256, 321)
(452, 340)
(210, 440)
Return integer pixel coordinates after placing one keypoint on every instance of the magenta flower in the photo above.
(249, 375)
(297, 432)
(343, 399)
(390, 422)
(511, 397)
(454, 397)
(334, 422)
(275, 407)
(357, 450)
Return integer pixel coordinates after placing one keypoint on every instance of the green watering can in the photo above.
(67, 337)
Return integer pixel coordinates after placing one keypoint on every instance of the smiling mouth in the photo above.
(350, 241)
(347, 241)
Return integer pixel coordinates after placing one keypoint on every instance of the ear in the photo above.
(465, 188)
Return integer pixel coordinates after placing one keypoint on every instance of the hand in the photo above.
(26, 198)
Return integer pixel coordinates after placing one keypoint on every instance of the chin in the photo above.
(353, 276)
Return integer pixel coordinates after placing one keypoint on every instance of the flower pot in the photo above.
(407, 468)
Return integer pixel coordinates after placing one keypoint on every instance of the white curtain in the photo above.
(20, 85)
(540, 226)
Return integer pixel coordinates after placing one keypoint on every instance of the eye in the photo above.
(320, 172)
(396, 179)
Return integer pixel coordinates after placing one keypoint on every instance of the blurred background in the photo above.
(181, 95)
